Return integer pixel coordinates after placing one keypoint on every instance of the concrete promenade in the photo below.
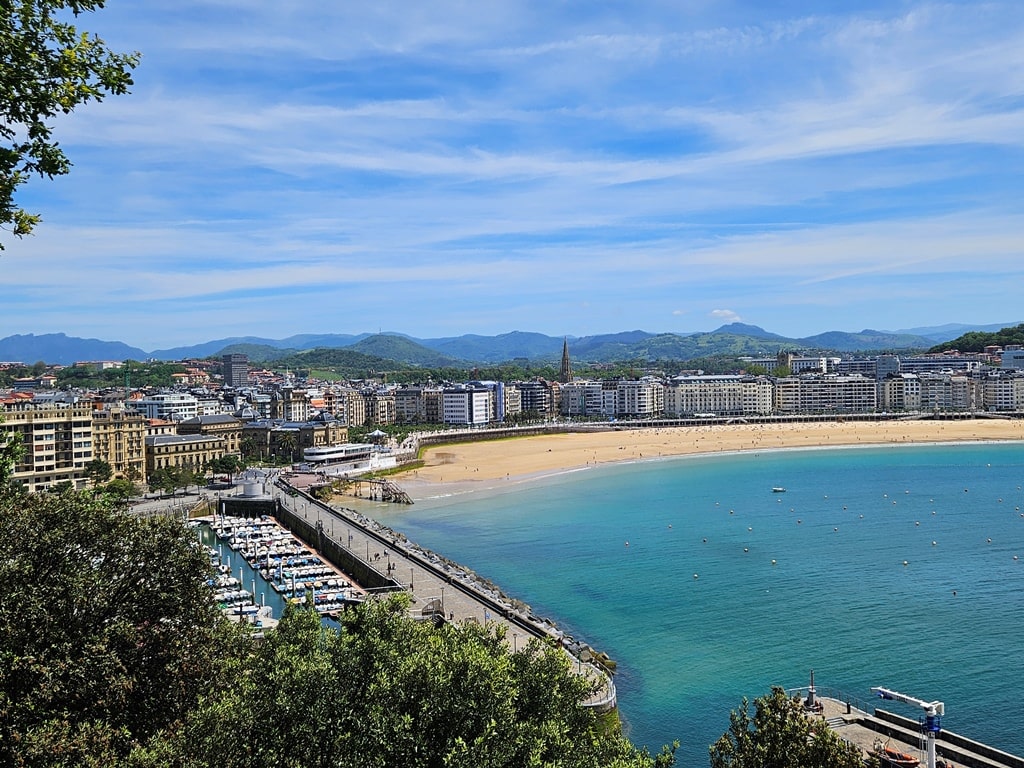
(868, 727)
(435, 584)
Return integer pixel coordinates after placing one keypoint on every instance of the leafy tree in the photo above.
(108, 631)
(286, 446)
(11, 450)
(976, 341)
(781, 735)
(170, 479)
(250, 448)
(121, 489)
(150, 374)
(226, 465)
(385, 690)
(49, 68)
(99, 471)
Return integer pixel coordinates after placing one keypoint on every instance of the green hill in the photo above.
(403, 350)
(976, 341)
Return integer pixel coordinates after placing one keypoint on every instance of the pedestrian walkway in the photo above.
(437, 586)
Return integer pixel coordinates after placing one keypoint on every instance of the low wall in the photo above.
(947, 740)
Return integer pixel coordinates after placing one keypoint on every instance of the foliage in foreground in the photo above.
(50, 67)
(386, 690)
(108, 633)
(112, 654)
(780, 735)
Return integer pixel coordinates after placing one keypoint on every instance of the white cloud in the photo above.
(725, 315)
(456, 152)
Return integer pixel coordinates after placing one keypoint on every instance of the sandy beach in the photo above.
(465, 466)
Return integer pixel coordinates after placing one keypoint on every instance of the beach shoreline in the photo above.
(507, 463)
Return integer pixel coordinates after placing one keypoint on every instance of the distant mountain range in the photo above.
(460, 351)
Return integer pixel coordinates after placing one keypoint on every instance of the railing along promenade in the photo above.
(295, 508)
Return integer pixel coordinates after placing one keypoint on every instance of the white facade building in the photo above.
(825, 394)
(726, 395)
(465, 405)
(950, 392)
(583, 398)
(171, 406)
(1004, 392)
(901, 392)
(642, 398)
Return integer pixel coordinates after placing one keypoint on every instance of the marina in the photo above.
(278, 561)
(350, 558)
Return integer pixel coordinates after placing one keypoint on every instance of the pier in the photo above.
(381, 560)
(869, 728)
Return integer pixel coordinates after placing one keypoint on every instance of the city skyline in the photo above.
(288, 168)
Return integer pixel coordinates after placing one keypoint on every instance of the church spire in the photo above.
(565, 372)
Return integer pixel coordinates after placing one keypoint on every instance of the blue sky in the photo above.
(563, 167)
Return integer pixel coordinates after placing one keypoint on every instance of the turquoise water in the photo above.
(698, 616)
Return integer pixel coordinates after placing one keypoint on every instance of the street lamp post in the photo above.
(411, 573)
(515, 642)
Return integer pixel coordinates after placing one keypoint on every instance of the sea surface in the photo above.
(892, 567)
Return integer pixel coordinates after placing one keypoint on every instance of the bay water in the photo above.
(894, 567)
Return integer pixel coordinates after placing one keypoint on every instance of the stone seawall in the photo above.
(356, 544)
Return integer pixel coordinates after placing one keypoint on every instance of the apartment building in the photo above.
(950, 392)
(170, 406)
(57, 438)
(349, 405)
(1003, 391)
(119, 438)
(643, 398)
(513, 401)
(900, 392)
(582, 398)
(466, 405)
(381, 407)
(290, 404)
(825, 394)
(536, 398)
(723, 395)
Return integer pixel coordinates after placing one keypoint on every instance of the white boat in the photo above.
(778, 489)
